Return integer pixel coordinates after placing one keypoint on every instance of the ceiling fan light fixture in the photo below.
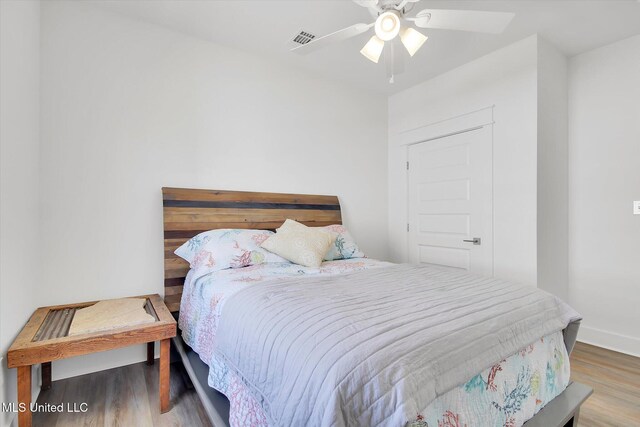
(373, 49)
(412, 40)
(387, 25)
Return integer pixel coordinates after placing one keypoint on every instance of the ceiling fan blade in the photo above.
(337, 36)
(403, 3)
(463, 20)
(372, 5)
(366, 3)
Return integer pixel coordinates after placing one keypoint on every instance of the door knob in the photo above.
(475, 241)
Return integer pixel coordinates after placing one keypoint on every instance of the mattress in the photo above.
(505, 394)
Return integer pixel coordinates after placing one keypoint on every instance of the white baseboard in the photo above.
(36, 382)
(89, 363)
(6, 418)
(10, 418)
(609, 340)
(34, 397)
(73, 367)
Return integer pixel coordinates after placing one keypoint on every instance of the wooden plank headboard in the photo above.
(188, 212)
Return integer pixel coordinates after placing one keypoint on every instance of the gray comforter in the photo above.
(375, 347)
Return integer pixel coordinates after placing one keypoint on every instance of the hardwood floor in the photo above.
(615, 379)
(128, 396)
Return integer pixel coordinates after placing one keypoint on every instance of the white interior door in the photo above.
(450, 182)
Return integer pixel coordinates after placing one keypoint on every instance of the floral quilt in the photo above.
(507, 394)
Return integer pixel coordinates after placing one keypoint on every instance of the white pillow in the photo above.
(300, 244)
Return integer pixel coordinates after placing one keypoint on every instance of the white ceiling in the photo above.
(265, 28)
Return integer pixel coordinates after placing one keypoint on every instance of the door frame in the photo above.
(456, 125)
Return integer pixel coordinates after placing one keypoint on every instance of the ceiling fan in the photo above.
(393, 20)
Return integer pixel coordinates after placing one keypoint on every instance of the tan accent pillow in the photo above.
(343, 247)
(300, 244)
(292, 225)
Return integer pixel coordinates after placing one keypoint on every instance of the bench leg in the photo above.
(573, 422)
(46, 375)
(575, 417)
(24, 396)
(164, 375)
(151, 350)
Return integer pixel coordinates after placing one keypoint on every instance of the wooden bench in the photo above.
(45, 338)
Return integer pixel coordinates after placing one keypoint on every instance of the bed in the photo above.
(529, 380)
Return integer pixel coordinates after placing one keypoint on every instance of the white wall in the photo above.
(552, 221)
(604, 179)
(129, 107)
(506, 78)
(19, 140)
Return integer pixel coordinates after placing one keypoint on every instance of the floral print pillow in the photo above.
(344, 247)
(227, 248)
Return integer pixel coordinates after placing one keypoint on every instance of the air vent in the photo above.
(303, 37)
